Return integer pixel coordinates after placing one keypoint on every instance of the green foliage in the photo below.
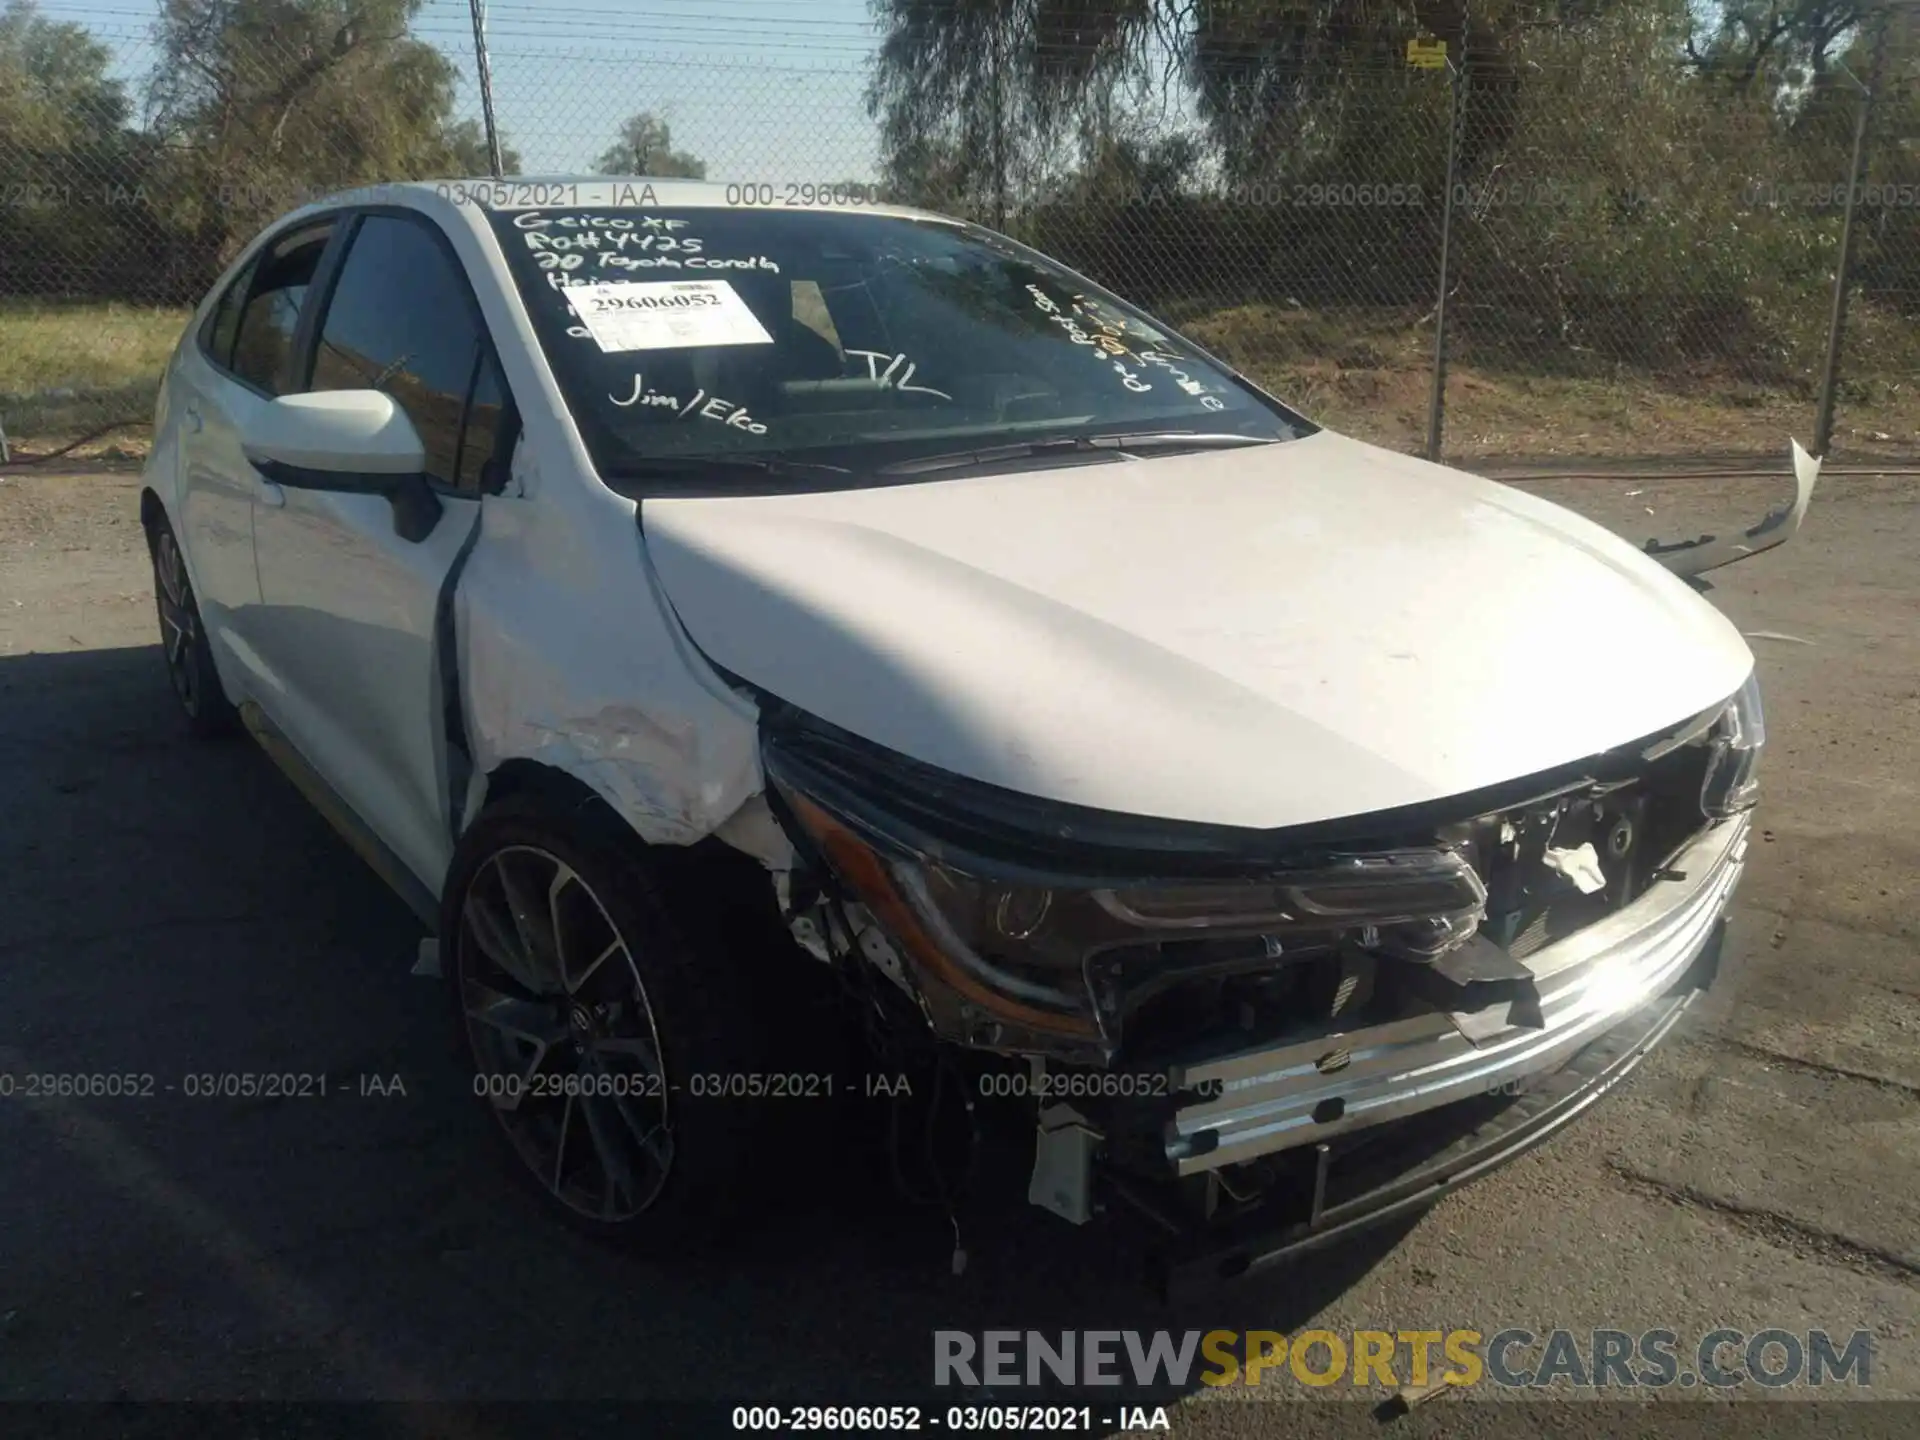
(54, 88)
(466, 142)
(645, 147)
(1637, 182)
(1749, 45)
(252, 108)
(265, 103)
(63, 142)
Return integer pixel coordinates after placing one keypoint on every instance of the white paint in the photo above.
(643, 394)
(344, 644)
(895, 372)
(568, 655)
(570, 660)
(355, 430)
(665, 315)
(1259, 637)
(702, 406)
(1775, 528)
(1184, 382)
(1253, 637)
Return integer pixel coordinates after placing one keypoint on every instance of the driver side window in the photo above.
(402, 320)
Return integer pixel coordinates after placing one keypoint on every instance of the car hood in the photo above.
(1260, 637)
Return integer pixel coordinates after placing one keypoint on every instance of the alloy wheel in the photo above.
(564, 1039)
(179, 621)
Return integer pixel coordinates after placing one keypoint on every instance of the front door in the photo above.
(349, 607)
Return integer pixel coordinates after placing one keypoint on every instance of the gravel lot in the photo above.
(173, 909)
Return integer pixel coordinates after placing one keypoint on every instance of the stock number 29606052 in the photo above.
(552, 1087)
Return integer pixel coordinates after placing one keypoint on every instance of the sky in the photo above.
(762, 90)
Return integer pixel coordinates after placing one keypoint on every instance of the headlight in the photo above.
(1020, 953)
(943, 918)
(1732, 781)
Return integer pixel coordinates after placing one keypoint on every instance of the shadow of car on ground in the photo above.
(178, 912)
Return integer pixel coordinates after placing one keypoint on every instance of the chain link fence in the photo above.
(1877, 390)
(1561, 241)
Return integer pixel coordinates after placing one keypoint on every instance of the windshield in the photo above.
(846, 340)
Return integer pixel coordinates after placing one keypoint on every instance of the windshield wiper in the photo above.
(1178, 440)
(1075, 444)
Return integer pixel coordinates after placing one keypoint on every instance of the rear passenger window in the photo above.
(216, 337)
(402, 320)
(263, 345)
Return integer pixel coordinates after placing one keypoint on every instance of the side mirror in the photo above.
(356, 442)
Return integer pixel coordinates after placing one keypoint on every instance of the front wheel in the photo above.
(586, 1008)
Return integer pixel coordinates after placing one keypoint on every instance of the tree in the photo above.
(265, 103)
(645, 147)
(54, 89)
(467, 144)
(71, 170)
(1749, 42)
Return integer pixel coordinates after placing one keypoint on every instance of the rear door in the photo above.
(349, 606)
(241, 358)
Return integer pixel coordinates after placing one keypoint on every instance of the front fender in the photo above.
(569, 658)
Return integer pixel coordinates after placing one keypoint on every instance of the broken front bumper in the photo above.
(1372, 1177)
(1314, 1092)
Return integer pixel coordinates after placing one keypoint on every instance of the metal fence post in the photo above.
(485, 71)
(1437, 401)
(999, 154)
(1843, 274)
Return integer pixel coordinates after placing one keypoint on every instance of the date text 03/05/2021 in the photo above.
(198, 1085)
(900, 1419)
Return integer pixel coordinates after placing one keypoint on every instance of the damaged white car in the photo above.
(668, 596)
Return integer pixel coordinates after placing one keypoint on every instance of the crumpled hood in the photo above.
(1260, 637)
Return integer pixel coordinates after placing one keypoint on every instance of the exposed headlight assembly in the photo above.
(1732, 782)
(1005, 957)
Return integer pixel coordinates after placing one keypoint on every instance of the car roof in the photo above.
(610, 192)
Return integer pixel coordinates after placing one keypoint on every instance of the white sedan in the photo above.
(672, 599)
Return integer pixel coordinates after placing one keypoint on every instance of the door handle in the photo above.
(194, 422)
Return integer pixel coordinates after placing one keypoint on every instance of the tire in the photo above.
(632, 1004)
(183, 641)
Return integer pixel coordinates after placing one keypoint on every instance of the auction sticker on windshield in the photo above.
(665, 315)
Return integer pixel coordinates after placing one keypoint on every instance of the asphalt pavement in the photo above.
(175, 910)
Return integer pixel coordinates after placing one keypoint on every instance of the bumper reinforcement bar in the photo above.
(1312, 1092)
(1366, 1181)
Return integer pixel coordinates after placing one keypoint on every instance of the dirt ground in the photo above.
(171, 908)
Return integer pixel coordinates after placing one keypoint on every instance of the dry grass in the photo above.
(70, 367)
(66, 369)
(1371, 376)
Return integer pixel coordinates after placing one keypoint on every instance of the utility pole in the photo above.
(479, 8)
